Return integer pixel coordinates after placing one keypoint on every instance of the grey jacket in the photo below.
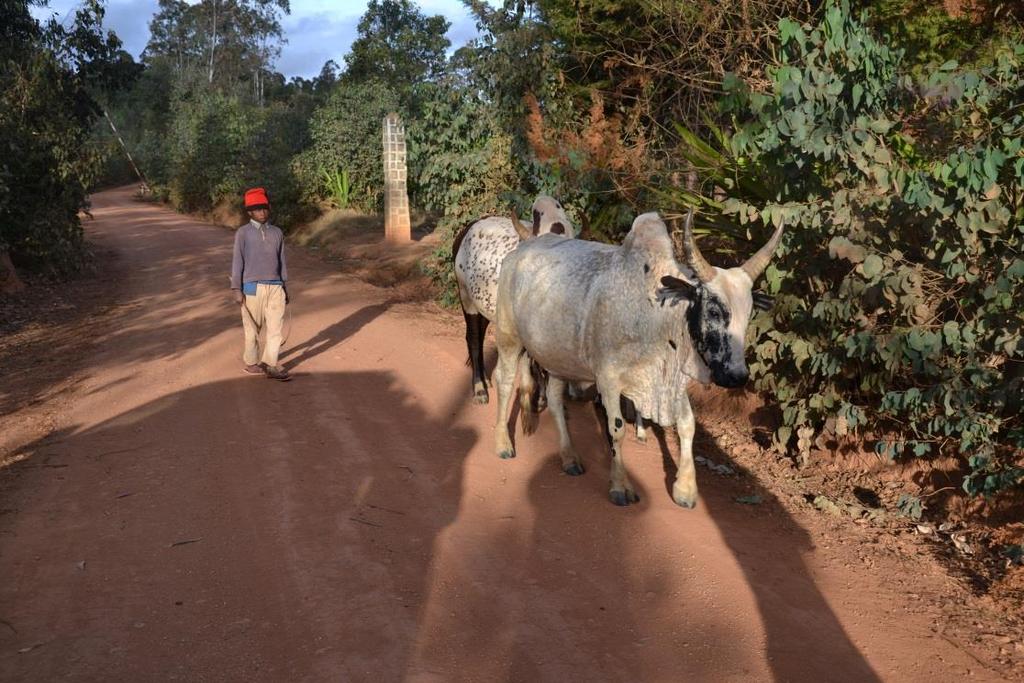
(259, 254)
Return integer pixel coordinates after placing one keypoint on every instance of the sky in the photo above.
(316, 30)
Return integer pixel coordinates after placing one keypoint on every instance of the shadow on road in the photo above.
(805, 640)
(329, 337)
(324, 529)
(239, 530)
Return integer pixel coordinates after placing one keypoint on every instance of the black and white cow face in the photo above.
(721, 303)
(717, 320)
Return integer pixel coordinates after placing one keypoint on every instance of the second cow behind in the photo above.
(478, 252)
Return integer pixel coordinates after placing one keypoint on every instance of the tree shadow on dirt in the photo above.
(516, 600)
(238, 530)
(563, 586)
(568, 587)
(160, 319)
(317, 530)
(805, 640)
(162, 292)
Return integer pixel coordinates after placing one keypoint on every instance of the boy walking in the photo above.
(259, 283)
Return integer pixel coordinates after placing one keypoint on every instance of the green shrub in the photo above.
(345, 132)
(219, 145)
(899, 282)
(47, 164)
(47, 160)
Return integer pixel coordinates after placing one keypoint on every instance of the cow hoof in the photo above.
(481, 398)
(688, 502)
(574, 469)
(623, 498)
(685, 499)
(507, 454)
(641, 437)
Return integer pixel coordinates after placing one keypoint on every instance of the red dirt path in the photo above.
(177, 519)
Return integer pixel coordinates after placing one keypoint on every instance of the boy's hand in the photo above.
(239, 297)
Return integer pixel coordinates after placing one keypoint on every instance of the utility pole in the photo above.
(124, 147)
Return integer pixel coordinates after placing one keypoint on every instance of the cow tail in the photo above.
(527, 402)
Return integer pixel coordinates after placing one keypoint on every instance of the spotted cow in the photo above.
(478, 251)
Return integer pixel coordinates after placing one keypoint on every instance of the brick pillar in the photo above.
(397, 226)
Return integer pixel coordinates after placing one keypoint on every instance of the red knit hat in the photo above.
(256, 198)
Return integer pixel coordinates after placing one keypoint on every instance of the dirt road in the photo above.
(182, 520)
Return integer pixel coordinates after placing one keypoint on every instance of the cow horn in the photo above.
(705, 272)
(756, 264)
(521, 230)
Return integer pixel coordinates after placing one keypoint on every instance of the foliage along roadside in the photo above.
(47, 76)
(898, 284)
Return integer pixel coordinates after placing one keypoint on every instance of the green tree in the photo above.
(209, 114)
(46, 114)
(397, 45)
(934, 31)
(222, 43)
(460, 164)
(664, 61)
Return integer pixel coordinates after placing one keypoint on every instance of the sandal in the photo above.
(277, 373)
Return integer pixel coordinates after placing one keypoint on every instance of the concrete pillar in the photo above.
(397, 225)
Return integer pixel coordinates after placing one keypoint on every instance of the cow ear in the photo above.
(675, 288)
(763, 301)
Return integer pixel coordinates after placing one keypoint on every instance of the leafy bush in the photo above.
(209, 137)
(48, 162)
(596, 164)
(345, 132)
(219, 145)
(460, 163)
(46, 168)
(899, 280)
(142, 115)
(933, 32)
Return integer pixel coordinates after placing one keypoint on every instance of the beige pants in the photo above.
(265, 311)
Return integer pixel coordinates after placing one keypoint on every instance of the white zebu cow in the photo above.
(478, 252)
(631, 320)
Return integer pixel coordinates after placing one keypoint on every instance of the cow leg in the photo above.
(476, 328)
(504, 377)
(526, 398)
(641, 431)
(622, 492)
(684, 490)
(571, 462)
